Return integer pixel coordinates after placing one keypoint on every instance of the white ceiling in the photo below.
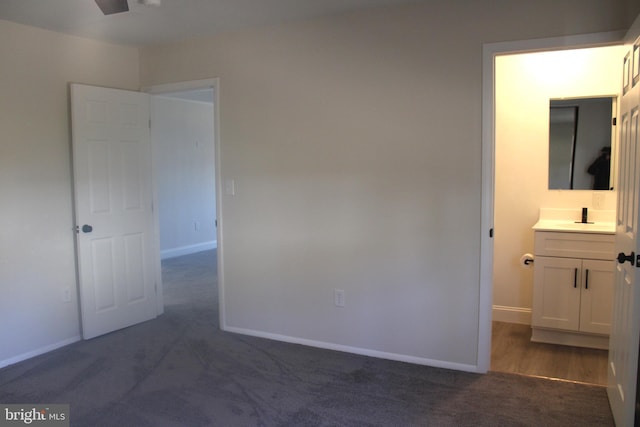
(174, 19)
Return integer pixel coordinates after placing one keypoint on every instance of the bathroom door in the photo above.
(625, 328)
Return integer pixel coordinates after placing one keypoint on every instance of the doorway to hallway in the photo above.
(182, 134)
(185, 150)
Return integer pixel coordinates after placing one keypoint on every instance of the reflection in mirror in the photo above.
(580, 143)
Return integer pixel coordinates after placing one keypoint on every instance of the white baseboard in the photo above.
(357, 350)
(38, 352)
(502, 313)
(188, 250)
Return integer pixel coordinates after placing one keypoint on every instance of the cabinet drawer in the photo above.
(575, 245)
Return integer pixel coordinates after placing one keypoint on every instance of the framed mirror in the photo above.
(580, 139)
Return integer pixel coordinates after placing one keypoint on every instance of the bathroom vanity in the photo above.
(573, 278)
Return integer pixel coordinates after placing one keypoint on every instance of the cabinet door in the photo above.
(597, 296)
(556, 293)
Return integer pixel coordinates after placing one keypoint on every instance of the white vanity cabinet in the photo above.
(573, 288)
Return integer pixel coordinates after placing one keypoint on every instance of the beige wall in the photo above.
(524, 85)
(354, 143)
(355, 146)
(37, 261)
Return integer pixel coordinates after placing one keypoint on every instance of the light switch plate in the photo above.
(230, 187)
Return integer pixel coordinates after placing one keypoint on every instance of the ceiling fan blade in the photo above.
(109, 7)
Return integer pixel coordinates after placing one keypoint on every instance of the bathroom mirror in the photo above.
(580, 136)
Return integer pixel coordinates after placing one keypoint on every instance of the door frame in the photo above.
(212, 83)
(489, 53)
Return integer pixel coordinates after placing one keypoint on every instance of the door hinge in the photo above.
(155, 287)
(638, 261)
(614, 121)
(491, 233)
(149, 123)
(216, 221)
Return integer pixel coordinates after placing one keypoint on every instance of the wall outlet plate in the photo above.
(338, 297)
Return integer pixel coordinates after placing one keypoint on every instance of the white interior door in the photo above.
(113, 208)
(625, 328)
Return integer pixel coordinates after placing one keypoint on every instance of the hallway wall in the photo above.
(184, 161)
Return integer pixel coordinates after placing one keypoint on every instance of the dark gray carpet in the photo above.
(181, 370)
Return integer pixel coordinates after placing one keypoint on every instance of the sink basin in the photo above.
(568, 220)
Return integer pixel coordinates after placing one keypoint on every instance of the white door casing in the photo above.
(625, 328)
(116, 256)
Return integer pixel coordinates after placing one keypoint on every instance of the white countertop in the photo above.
(568, 221)
(575, 227)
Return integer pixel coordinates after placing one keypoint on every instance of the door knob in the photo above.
(622, 258)
(87, 228)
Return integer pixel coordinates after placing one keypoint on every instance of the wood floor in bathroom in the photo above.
(513, 351)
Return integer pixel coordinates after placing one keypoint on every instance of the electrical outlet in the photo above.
(598, 200)
(66, 295)
(338, 297)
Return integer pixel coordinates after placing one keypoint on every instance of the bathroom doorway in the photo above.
(521, 188)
